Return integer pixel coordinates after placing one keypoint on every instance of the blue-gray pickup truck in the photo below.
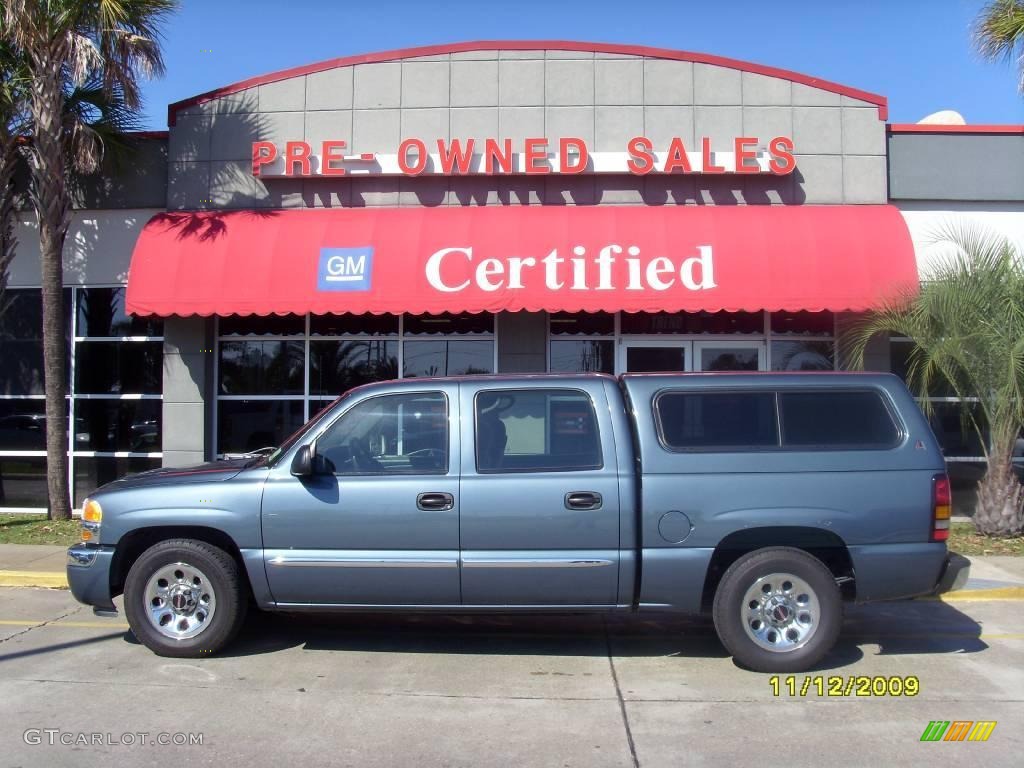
(765, 500)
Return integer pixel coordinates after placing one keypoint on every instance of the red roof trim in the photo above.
(530, 45)
(924, 128)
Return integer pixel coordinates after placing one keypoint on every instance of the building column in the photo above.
(522, 342)
(188, 370)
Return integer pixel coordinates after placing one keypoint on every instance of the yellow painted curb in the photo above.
(996, 593)
(51, 579)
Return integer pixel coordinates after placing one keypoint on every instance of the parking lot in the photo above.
(547, 691)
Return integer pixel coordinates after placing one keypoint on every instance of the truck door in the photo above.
(539, 496)
(383, 527)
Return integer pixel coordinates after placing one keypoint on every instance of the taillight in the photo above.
(942, 507)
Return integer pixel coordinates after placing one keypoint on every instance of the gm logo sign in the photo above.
(345, 269)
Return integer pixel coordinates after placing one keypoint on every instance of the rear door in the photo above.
(539, 496)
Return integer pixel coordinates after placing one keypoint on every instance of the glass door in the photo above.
(656, 356)
(728, 356)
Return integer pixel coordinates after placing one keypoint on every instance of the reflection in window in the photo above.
(390, 434)
(248, 425)
(23, 481)
(337, 366)
(717, 420)
(353, 325)
(728, 359)
(101, 313)
(447, 358)
(462, 323)
(115, 367)
(582, 356)
(261, 367)
(802, 356)
(582, 323)
(544, 430)
(93, 471)
(118, 425)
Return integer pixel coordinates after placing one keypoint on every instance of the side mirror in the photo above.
(302, 464)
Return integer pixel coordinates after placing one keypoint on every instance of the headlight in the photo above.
(92, 517)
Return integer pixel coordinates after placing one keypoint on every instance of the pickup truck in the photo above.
(765, 500)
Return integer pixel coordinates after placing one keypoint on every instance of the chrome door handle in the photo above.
(583, 500)
(435, 502)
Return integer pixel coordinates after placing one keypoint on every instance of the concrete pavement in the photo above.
(383, 690)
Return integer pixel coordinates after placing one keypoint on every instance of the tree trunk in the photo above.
(1000, 508)
(53, 206)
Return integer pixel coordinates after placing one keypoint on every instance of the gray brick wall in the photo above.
(605, 99)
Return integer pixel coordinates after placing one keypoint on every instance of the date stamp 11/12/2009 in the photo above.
(837, 685)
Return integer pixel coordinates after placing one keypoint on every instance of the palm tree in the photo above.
(13, 123)
(999, 33)
(67, 44)
(967, 325)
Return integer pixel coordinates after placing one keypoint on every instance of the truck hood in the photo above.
(199, 473)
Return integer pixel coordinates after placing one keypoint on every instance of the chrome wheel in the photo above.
(180, 601)
(780, 612)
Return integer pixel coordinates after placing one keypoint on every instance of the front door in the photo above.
(677, 356)
(728, 355)
(382, 528)
(540, 497)
(655, 356)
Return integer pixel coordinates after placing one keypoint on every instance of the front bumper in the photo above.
(955, 573)
(88, 571)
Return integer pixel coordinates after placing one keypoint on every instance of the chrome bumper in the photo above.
(82, 556)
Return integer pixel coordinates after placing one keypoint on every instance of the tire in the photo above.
(788, 630)
(184, 598)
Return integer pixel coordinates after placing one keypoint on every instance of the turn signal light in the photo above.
(942, 507)
(91, 512)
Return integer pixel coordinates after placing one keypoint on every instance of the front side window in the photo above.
(537, 430)
(717, 420)
(390, 435)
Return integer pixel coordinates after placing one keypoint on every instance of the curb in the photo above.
(968, 595)
(47, 579)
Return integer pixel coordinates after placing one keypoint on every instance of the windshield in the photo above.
(300, 432)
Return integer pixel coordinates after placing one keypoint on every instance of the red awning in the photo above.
(555, 258)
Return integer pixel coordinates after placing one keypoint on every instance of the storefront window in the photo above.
(261, 367)
(248, 425)
(803, 323)
(93, 471)
(447, 323)
(582, 323)
(353, 325)
(447, 358)
(114, 403)
(100, 313)
(337, 366)
(803, 355)
(691, 322)
(272, 380)
(582, 356)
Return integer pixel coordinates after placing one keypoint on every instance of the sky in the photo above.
(915, 52)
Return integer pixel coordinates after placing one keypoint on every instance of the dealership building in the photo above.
(484, 207)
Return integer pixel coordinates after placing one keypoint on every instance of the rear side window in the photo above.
(536, 430)
(717, 420)
(836, 419)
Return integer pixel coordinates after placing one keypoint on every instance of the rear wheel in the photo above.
(778, 610)
(184, 598)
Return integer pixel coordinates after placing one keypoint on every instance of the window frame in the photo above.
(530, 471)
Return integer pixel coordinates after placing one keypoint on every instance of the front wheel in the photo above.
(184, 598)
(778, 610)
